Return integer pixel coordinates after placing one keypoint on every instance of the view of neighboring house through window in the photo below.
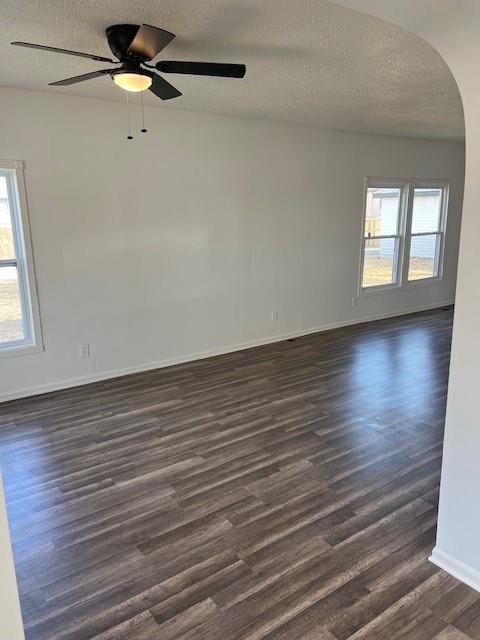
(426, 235)
(403, 238)
(19, 326)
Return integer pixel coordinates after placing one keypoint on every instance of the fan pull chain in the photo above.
(143, 130)
(129, 137)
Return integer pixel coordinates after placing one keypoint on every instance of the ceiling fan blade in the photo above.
(202, 68)
(66, 51)
(149, 40)
(82, 78)
(163, 89)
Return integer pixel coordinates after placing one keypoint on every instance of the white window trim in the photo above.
(404, 229)
(33, 342)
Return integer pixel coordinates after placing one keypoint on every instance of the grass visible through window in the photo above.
(10, 311)
(379, 270)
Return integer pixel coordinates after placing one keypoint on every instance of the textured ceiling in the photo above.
(308, 61)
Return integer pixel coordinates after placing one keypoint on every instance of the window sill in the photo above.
(20, 350)
(410, 286)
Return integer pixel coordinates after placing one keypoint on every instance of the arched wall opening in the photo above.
(454, 30)
(10, 604)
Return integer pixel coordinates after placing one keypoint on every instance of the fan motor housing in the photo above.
(120, 37)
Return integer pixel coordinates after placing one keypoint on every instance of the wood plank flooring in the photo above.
(285, 492)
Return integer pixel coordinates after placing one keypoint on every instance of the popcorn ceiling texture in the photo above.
(308, 61)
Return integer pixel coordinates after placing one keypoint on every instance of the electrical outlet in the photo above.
(274, 316)
(85, 351)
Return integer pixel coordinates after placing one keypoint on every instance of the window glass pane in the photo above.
(380, 262)
(11, 325)
(382, 212)
(423, 257)
(426, 210)
(6, 236)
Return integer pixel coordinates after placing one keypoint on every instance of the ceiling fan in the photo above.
(135, 46)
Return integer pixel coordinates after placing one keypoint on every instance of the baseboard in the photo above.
(457, 569)
(169, 362)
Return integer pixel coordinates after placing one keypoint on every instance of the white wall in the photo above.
(184, 240)
(11, 627)
(453, 28)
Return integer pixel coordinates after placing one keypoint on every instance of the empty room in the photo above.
(238, 320)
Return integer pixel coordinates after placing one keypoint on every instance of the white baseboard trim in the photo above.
(456, 568)
(77, 381)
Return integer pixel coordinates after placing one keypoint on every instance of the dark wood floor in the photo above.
(286, 492)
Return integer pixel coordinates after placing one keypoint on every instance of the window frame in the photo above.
(23, 261)
(407, 186)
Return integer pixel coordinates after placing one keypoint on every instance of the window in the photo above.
(403, 234)
(19, 318)
(383, 233)
(426, 233)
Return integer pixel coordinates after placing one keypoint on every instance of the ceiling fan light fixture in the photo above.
(133, 47)
(133, 82)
